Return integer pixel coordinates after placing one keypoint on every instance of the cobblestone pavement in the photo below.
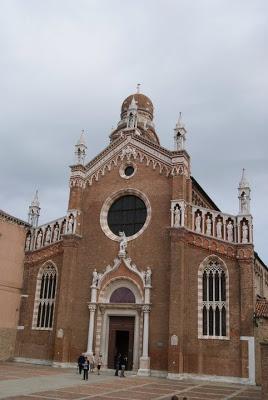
(28, 382)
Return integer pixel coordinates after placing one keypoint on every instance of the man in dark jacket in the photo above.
(117, 363)
(80, 362)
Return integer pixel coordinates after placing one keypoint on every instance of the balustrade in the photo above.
(204, 221)
(52, 232)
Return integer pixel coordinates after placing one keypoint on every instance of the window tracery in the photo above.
(213, 301)
(45, 296)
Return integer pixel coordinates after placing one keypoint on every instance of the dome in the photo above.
(143, 102)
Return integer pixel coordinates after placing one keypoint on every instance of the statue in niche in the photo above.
(122, 244)
(244, 233)
(219, 229)
(148, 276)
(28, 242)
(63, 226)
(95, 278)
(70, 224)
(179, 142)
(131, 121)
(177, 216)
(56, 233)
(39, 240)
(209, 226)
(48, 236)
(230, 235)
(244, 204)
(198, 223)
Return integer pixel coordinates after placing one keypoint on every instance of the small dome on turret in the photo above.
(143, 102)
(137, 112)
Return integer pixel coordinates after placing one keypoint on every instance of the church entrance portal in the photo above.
(121, 339)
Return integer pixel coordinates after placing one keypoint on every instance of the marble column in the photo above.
(92, 310)
(144, 369)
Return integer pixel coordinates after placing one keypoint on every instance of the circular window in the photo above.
(129, 170)
(127, 210)
(127, 214)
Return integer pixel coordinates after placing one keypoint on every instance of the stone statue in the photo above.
(131, 121)
(70, 224)
(209, 226)
(95, 278)
(48, 236)
(244, 233)
(219, 229)
(177, 217)
(230, 235)
(28, 243)
(198, 223)
(148, 276)
(179, 142)
(122, 244)
(63, 226)
(39, 240)
(56, 233)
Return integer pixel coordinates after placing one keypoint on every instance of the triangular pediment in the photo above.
(132, 147)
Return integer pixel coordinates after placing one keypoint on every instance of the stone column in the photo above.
(145, 359)
(92, 309)
(264, 370)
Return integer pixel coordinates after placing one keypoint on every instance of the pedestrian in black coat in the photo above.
(117, 363)
(80, 362)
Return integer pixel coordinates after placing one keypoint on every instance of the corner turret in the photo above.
(80, 149)
(179, 135)
(34, 211)
(244, 195)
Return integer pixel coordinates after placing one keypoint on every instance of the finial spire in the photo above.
(35, 201)
(34, 211)
(80, 149)
(179, 134)
(138, 87)
(244, 194)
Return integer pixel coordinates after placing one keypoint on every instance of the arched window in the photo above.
(213, 299)
(45, 296)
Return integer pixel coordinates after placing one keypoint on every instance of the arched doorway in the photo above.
(121, 330)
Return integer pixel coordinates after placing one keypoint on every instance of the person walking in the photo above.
(99, 363)
(85, 369)
(91, 362)
(80, 362)
(117, 363)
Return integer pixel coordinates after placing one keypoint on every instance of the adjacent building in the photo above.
(12, 242)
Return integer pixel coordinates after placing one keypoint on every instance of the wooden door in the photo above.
(121, 339)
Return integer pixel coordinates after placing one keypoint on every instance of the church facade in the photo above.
(143, 264)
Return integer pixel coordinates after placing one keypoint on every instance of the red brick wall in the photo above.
(36, 343)
(264, 370)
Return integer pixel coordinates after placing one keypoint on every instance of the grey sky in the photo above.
(68, 65)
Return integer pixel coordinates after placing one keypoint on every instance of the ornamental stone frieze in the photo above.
(44, 253)
(229, 250)
(132, 147)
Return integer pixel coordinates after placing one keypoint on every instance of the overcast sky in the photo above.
(67, 65)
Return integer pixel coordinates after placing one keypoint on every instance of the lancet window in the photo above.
(213, 300)
(45, 296)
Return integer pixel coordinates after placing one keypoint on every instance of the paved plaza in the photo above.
(28, 382)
